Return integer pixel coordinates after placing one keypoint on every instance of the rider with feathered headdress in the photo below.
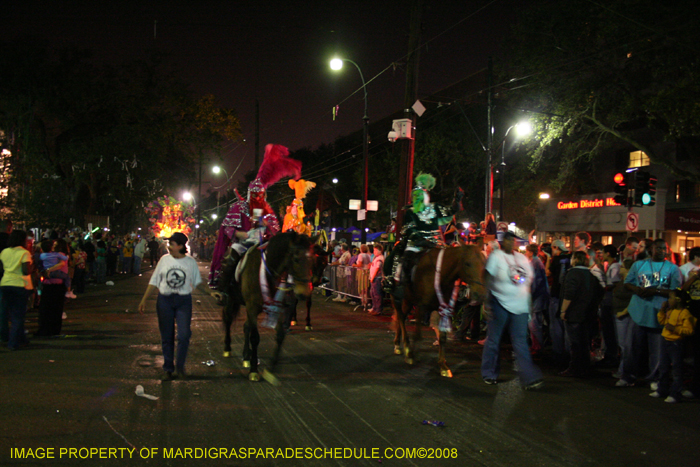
(295, 217)
(422, 222)
(252, 220)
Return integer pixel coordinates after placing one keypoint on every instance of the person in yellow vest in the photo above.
(294, 219)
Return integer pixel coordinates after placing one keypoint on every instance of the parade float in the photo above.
(168, 215)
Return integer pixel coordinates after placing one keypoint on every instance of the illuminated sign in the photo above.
(587, 203)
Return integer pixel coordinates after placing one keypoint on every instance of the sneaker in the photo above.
(490, 381)
(617, 375)
(655, 394)
(64, 315)
(622, 384)
(70, 294)
(654, 386)
(688, 394)
(181, 374)
(167, 376)
(670, 400)
(534, 385)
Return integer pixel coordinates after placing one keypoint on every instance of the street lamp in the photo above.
(217, 170)
(522, 129)
(337, 64)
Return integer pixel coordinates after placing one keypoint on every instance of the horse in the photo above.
(285, 253)
(319, 261)
(465, 263)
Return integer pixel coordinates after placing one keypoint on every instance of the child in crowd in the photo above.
(51, 259)
(678, 324)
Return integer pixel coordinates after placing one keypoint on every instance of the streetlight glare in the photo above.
(216, 169)
(335, 180)
(336, 64)
(544, 195)
(214, 216)
(523, 128)
(187, 196)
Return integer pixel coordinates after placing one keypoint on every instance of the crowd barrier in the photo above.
(347, 280)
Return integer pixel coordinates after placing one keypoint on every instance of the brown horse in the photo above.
(286, 253)
(319, 261)
(465, 263)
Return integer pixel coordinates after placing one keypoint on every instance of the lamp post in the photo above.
(337, 64)
(217, 170)
(522, 128)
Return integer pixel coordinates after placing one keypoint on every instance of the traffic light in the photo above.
(621, 189)
(649, 198)
(644, 189)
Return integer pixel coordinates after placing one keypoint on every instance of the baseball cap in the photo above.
(560, 244)
(179, 238)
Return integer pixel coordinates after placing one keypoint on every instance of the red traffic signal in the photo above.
(619, 179)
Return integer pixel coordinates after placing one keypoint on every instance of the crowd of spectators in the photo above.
(40, 275)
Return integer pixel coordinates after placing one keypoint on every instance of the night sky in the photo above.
(278, 53)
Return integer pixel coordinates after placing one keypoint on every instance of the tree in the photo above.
(99, 140)
(602, 74)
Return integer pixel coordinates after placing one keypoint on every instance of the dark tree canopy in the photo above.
(604, 73)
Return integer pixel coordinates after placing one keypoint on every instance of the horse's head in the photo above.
(472, 270)
(319, 261)
(298, 262)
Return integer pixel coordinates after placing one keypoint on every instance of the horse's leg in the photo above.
(398, 317)
(308, 314)
(409, 353)
(246, 344)
(227, 317)
(442, 361)
(293, 312)
(254, 341)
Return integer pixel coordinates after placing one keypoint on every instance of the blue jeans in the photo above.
(624, 339)
(517, 328)
(671, 365)
(650, 337)
(137, 264)
(14, 300)
(557, 332)
(4, 321)
(376, 293)
(174, 309)
(126, 265)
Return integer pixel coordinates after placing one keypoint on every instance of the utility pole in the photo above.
(489, 141)
(257, 134)
(410, 96)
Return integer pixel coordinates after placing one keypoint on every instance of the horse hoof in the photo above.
(254, 377)
(270, 378)
(397, 350)
(246, 363)
(446, 373)
(227, 354)
(309, 328)
(293, 323)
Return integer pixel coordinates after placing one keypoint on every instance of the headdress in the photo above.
(275, 165)
(425, 182)
(301, 187)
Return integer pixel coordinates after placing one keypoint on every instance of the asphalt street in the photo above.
(345, 399)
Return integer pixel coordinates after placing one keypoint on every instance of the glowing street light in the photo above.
(335, 180)
(214, 216)
(522, 129)
(337, 64)
(187, 196)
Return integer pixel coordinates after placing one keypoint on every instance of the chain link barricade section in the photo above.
(347, 281)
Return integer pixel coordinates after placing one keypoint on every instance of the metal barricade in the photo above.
(347, 281)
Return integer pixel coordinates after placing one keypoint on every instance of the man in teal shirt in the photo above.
(651, 280)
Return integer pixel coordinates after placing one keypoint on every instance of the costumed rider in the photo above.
(252, 221)
(422, 221)
(295, 219)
